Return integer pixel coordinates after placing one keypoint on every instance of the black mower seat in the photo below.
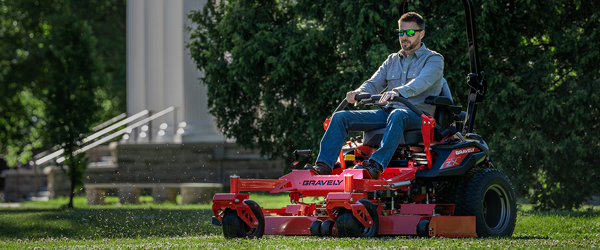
(414, 137)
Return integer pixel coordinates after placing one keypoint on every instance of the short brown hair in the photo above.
(413, 17)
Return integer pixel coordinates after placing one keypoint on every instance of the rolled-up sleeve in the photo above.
(431, 73)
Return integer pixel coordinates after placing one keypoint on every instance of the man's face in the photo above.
(408, 43)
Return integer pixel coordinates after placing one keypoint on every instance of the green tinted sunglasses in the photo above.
(408, 32)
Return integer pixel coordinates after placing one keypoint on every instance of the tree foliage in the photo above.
(276, 69)
(26, 27)
(52, 60)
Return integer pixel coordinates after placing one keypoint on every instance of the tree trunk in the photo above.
(72, 173)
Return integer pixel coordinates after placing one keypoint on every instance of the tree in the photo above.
(20, 110)
(276, 69)
(107, 21)
(23, 30)
(74, 75)
(542, 113)
(67, 77)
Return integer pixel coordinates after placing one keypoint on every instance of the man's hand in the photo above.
(389, 95)
(350, 96)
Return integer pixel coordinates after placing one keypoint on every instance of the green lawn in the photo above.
(169, 226)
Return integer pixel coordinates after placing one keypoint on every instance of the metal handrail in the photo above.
(105, 131)
(56, 148)
(116, 125)
(111, 121)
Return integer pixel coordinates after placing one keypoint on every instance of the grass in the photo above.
(45, 225)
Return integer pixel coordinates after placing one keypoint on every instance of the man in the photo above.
(414, 73)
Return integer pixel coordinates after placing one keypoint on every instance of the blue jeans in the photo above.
(395, 121)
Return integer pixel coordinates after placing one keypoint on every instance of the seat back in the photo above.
(412, 137)
(442, 116)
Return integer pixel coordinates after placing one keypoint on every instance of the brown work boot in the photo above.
(373, 168)
(320, 168)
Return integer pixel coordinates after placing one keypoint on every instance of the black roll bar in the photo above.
(476, 78)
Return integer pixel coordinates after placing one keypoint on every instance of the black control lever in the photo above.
(298, 153)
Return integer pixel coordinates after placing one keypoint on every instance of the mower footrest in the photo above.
(452, 226)
(441, 226)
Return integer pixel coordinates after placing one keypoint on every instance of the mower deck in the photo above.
(342, 191)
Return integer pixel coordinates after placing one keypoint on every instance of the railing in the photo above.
(105, 128)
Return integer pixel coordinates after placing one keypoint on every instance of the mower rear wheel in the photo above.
(234, 226)
(315, 228)
(348, 226)
(488, 195)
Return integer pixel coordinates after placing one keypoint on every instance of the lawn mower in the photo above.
(440, 182)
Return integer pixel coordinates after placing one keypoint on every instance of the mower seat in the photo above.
(443, 115)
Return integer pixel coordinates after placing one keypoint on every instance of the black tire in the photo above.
(348, 226)
(327, 228)
(234, 226)
(423, 228)
(231, 225)
(315, 228)
(487, 194)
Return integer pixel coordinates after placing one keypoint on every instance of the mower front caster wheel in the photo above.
(234, 226)
(315, 228)
(423, 228)
(326, 228)
(348, 226)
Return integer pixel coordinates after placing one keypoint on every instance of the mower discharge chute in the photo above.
(440, 182)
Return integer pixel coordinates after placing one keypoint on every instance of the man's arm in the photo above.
(377, 82)
(431, 72)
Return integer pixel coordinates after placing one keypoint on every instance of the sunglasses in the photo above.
(408, 32)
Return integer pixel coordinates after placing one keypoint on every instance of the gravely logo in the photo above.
(322, 183)
(465, 151)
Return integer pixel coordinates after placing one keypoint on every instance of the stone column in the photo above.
(174, 48)
(136, 56)
(95, 196)
(200, 125)
(161, 72)
(164, 193)
(129, 193)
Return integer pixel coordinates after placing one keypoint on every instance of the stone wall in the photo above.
(172, 163)
(20, 183)
(188, 163)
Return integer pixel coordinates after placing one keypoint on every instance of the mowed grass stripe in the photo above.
(171, 226)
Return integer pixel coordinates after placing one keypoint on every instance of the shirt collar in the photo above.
(417, 52)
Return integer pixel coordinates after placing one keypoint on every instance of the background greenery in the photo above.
(54, 83)
(275, 70)
(171, 226)
(46, 49)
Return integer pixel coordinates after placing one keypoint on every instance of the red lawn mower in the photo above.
(440, 182)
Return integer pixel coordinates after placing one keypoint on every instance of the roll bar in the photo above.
(476, 78)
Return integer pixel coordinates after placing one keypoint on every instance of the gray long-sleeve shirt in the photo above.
(415, 77)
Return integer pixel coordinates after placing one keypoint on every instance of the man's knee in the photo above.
(339, 116)
(399, 114)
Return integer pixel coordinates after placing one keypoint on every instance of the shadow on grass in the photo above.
(104, 223)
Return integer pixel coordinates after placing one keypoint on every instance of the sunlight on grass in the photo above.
(171, 226)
